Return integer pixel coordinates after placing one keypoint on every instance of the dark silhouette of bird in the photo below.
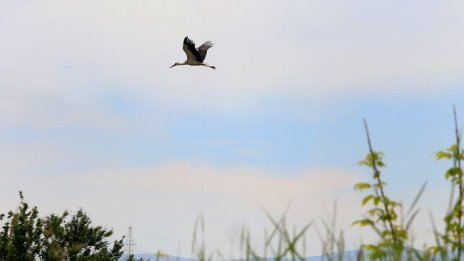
(195, 56)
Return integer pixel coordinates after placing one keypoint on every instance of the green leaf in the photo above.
(453, 172)
(375, 252)
(376, 212)
(371, 159)
(443, 155)
(363, 222)
(401, 233)
(367, 199)
(380, 163)
(453, 148)
(365, 162)
(362, 186)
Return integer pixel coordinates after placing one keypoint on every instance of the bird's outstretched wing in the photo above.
(190, 50)
(203, 49)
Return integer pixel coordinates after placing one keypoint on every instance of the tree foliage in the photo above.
(26, 236)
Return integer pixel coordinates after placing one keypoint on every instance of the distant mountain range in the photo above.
(152, 257)
(348, 256)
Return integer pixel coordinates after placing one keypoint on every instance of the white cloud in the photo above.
(161, 203)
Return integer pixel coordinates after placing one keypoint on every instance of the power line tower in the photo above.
(130, 243)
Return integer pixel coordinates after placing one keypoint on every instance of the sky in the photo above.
(92, 117)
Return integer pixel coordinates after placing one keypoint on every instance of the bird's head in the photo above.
(174, 65)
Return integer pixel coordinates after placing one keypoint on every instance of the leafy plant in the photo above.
(26, 236)
(21, 233)
(383, 215)
(453, 236)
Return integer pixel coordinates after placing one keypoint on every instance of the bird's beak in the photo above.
(172, 66)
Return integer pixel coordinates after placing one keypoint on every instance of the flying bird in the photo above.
(195, 56)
